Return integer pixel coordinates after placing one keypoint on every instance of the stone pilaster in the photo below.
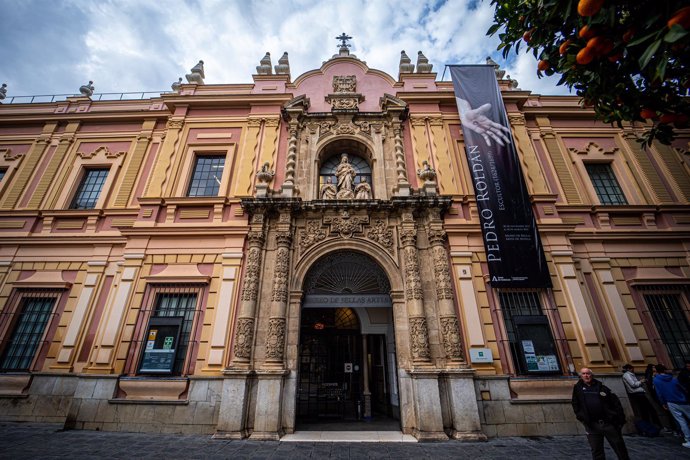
(450, 329)
(275, 338)
(403, 185)
(291, 161)
(244, 331)
(419, 334)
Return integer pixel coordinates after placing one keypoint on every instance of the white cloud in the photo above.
(132, 45)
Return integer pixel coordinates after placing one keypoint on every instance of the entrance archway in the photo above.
(347, 375)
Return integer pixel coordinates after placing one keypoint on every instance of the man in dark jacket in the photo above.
(601, 412)
(672, 397)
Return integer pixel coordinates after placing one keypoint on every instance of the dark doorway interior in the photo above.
(330, 392)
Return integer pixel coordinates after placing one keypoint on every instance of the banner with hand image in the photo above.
(513, 248)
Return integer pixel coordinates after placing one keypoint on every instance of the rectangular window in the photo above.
(28, 327)
(169, 332)
(605, 183)
(89, 188)
(2, 173)
(208, 172)
(529, 334)
(665, 307)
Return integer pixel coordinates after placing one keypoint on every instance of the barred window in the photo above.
(665, 306)
(27, 324)
(605, 184)
(207, 175)
(89, 188)
(531, 340)
(166, 329)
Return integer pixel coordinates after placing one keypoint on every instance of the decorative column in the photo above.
(288, 188)
(275, 337)
(419, 334)
(365, 375)
(450, 329)
(244, 334)
(403, 187)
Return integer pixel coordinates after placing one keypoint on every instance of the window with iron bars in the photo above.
(670, 314)
(167, 329)
(531, 341)
(25, 327)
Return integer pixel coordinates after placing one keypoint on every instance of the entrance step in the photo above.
(348, 436)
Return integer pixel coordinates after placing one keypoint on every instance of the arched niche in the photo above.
(330, 156)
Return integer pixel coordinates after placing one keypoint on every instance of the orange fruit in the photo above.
(600, 45)
(667, 118)
(564, 46)
(681, 17)
(628, 35)
(586, 32)
(648, 114)
(584, 56)
(527, 36)
(589, 8)
(543, 65)
(616, 57)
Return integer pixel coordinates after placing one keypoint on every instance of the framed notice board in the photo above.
(536, 347)
(161, 345)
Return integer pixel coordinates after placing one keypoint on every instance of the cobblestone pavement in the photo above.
(45, 441)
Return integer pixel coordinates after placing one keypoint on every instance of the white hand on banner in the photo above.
(477, 121)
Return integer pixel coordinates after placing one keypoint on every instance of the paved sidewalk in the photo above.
(44, 441)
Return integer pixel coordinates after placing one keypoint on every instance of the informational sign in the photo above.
(350, 300)
(513, 249)
(348, 368)
(161, 347)
(481, 355)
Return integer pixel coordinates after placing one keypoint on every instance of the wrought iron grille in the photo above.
(33, 314)
(605, 184)
(89, 189)
(525, 321)
(208, 172)
(670, 316)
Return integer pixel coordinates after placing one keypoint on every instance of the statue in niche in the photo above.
(363, 190)
(328, 190)
(346, 175)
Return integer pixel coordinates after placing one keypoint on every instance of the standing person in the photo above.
(601, 412)
(637, 396)
(673, 398)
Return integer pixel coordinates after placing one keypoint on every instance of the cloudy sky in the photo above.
(55, 46)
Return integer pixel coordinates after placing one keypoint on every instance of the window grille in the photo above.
(171, 301)
(208, 172)
(671, 319)
(89, 189)
(605, 184)
(529, 335)
(34, 312)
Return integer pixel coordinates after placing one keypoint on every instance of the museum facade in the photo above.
(247, 260)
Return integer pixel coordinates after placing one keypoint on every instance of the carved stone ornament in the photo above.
(346, 225)
(264, 175)
(250, 286)
(419, 339)
(106, 151)
(244, 336)
(408, 236)
(436, 236)
(9, 155)
(452, 342)
(444, 289)
(174, 124)
(413, 282)
(345, 128)
(275, 339)
(344, 83)
(427, 173)
(311, 234)
(280, 275)
(381, 234)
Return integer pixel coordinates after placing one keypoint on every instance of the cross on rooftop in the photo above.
(344, 38)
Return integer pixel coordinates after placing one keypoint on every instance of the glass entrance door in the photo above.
(330, 368)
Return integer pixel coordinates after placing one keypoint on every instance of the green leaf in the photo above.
(676, 33)
(642, 39)
(661, 69)
(649, 53)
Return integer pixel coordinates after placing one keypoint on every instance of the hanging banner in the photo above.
(513, 248)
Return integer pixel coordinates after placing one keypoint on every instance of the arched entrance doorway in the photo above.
(347, 366)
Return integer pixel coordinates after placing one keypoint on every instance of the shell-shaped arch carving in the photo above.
(377, 254)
